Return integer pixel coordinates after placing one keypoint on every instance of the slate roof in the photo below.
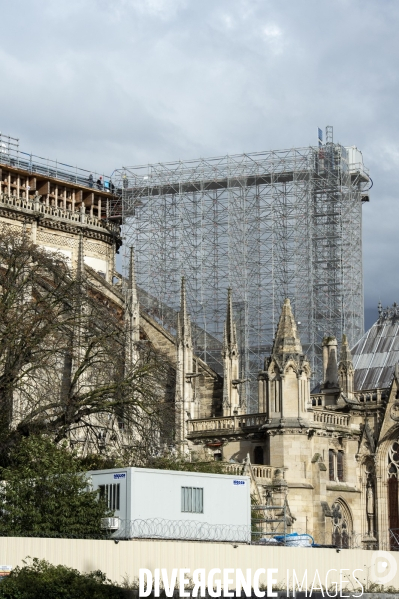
(377, 352)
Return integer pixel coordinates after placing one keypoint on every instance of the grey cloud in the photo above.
(104, 84)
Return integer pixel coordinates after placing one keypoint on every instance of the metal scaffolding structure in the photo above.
(270, 225)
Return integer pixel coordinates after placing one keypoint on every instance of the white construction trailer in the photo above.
(149, 503)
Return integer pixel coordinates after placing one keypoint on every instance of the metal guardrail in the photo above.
(11, 155)
(394, 539)
(269, 521)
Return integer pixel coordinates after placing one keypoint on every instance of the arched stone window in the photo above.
(393, 476)
(336, 471)
(341, 525)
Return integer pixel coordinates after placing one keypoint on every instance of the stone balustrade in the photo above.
(318, 399)
(254, 420)
(237, 469)
(213, 424)
(266, 472)
(239, 423)
(368, 396)
(325, 417)
(226, 423)
(35, 206)
(260, 472)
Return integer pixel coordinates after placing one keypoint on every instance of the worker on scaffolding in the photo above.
(91, 180)
(100, 183)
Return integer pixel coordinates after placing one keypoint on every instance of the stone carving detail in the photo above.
(8, 227)
(388, 313)
(95, 248)
(340, 526)
(67, 241)
(58, 240)
(393, 460)
(395, 411)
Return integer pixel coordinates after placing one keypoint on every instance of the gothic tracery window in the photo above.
(393, 476)
(393, 460)
(341, 528)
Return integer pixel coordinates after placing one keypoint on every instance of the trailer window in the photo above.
(111, 494)
(192, 500)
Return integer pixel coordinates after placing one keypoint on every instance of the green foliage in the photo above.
(96, 461)
(181, 463)
(41, 579)
(44, 494)
(256, 519)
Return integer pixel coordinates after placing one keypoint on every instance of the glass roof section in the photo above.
(377, 352)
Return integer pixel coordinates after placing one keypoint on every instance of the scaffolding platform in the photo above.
(270, 225)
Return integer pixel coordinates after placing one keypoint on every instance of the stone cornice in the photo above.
(66, 221)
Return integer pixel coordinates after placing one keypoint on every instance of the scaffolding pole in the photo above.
(270, 225)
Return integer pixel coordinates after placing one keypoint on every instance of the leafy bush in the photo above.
(180, 462)
(44, 494)
(41, 579)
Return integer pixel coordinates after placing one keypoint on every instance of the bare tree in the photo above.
(63, 364)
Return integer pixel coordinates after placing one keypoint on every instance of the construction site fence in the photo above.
(121, 560)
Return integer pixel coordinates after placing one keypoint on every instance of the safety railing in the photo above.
(12, 156)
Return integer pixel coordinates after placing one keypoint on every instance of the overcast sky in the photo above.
(106, 83)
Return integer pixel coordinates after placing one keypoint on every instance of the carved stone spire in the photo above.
(184, 395)
(231, 399)
(284, 385)
(184, 320)
(286, 340)
(346, 356)
(346, 372)
(230, 332)
(330, 363)
(132, 313)
(132, 290)
(178, 329)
